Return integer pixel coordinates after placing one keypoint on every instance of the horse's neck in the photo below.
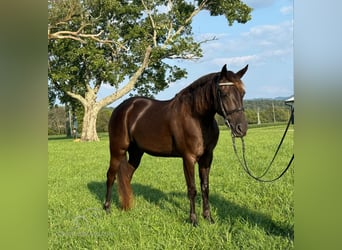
(196, 104)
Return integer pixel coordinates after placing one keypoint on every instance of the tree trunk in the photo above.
(89, 132)
(91, 110)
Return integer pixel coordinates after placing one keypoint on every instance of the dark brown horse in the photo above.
(181, 127)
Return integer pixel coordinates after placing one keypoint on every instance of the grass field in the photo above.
(248, 214)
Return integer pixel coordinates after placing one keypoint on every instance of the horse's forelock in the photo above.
(231, 77)
(241, 87)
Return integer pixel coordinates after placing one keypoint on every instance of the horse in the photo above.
(183, 126)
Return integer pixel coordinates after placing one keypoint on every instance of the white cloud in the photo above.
(259, 45)
(261, 30)
(235, 61)
(270, 30)
(271, 36)
(278, 52)
(286, 10)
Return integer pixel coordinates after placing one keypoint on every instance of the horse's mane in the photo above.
(199, 94)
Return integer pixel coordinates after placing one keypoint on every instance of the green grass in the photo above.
(248, 214)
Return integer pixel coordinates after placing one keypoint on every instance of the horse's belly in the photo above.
(165, 154)
(156, 144)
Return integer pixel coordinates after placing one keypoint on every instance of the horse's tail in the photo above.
(124, 185)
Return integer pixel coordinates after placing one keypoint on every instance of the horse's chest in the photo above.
(195, 138)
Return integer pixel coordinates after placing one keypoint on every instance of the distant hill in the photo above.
(278, 98)
(281, 98)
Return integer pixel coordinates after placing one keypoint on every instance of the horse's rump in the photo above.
(146, 123)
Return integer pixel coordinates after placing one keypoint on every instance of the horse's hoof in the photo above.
(106, 208)
(207, 216)
(193, 220)
(210, 220)
(194, 223)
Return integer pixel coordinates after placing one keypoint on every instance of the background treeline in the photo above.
(263, 111)
(61, 120)
(258, 112)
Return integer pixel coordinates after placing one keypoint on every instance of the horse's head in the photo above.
(230, 92)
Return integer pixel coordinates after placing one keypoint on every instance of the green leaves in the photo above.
(122, 43)
(115, 35)
(233, 10)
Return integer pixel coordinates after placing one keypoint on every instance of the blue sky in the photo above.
(265, 43)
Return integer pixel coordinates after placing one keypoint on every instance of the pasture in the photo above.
(248, 214)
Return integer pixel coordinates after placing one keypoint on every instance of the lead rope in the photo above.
(244, 164)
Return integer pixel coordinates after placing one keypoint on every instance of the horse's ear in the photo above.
(224, 69)
(242, 71)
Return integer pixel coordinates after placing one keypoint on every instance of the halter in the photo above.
(224, 111)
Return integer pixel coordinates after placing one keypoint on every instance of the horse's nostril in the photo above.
(239, 129)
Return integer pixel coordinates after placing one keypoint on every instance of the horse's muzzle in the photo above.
(239, 130)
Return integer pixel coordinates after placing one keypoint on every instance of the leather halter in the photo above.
(224, 111)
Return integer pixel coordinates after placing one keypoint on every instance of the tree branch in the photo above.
(77, 97)
(152, 23)
(75, 35)
(184, 56)
(208, 40)
(97, 86)
(130, 85)
(189, 56)
(181, 28)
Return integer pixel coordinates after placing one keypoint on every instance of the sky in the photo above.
(265, 43)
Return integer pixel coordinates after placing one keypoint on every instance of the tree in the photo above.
(56, 120)
(252, 116)
(122, 43)
(103, 119)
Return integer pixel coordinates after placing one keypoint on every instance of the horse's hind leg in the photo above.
(114, 165)
(125, 174)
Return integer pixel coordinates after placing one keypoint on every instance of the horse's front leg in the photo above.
(188, 167)
(204, 169)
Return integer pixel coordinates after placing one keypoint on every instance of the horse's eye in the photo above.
(224, 94)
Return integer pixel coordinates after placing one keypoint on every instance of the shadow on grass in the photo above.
(226, 210)
(149, 193)
(234, 212)
(99, 190)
